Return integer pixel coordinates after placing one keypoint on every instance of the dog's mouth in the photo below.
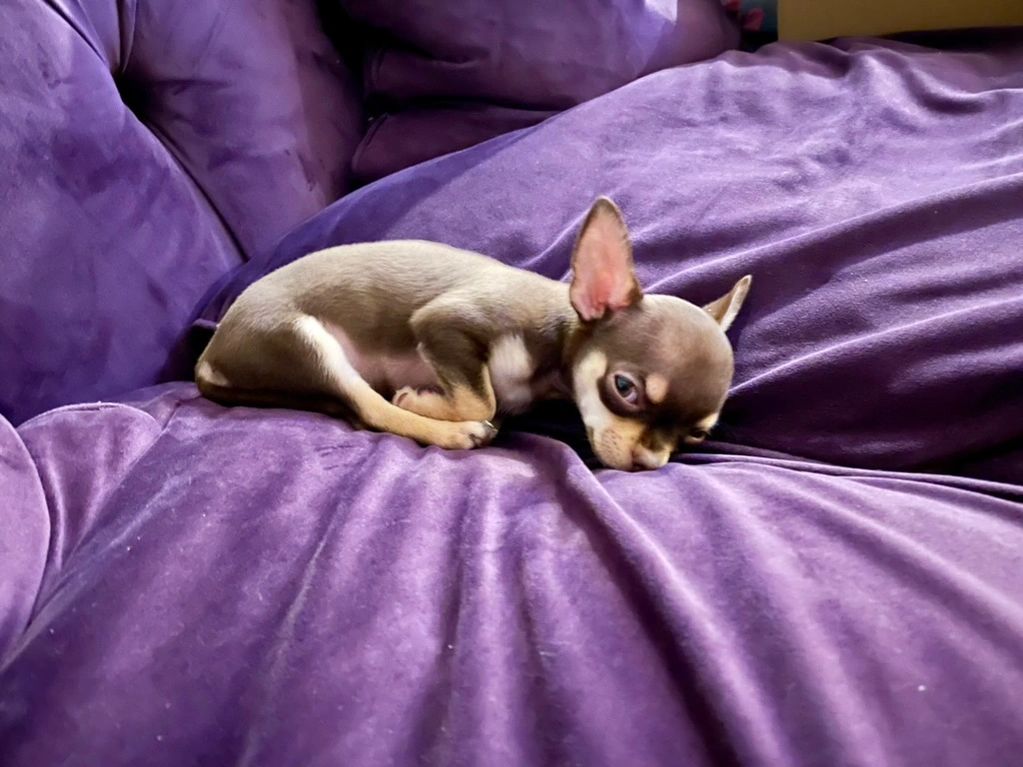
(607, 457)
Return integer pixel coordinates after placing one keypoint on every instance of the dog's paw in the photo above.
(465, 435)
(424, 402)
(402, 395)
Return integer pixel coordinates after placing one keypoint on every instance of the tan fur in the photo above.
(462, 404)
(656, 388)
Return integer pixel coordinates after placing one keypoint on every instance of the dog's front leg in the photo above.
(456, 346)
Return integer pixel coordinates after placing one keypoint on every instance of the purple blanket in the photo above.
(190, 584)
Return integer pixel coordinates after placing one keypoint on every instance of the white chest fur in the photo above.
(511, 370)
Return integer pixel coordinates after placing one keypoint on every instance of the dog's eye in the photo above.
(626, 388)
(699, 434)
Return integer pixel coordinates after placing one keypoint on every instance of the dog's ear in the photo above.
(725, 308)
(602, 276)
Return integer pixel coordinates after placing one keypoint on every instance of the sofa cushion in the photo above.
(403, 138)
(253, 102)
(267, 587)
(145, 148)
(24, 536)
(529, 55)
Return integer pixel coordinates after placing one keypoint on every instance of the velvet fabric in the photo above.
(406, 137)
(145, 149)
(443, 76)
(834, 579)
(240, 586)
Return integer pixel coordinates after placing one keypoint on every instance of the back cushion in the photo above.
(146, 149)
(462, 68)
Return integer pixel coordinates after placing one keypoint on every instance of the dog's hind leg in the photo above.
(343, 381)
(450, 342)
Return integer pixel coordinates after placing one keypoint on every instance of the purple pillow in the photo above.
(146, 149)
(416, 134)
(501, 56)
(24, 536)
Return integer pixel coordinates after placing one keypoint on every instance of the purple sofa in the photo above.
(835, 579)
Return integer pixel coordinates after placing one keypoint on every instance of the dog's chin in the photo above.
(613, 462)
(610, 450)
(616, 451)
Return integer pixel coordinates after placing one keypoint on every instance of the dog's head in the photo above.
(649, 373)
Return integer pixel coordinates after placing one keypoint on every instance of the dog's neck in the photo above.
(560, 336)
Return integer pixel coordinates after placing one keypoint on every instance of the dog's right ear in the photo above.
(602, 273)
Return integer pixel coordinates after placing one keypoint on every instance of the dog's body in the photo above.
(432, 342)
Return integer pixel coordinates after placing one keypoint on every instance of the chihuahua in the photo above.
(433, 343)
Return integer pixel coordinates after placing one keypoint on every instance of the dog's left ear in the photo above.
(725, 308)
(602, 275)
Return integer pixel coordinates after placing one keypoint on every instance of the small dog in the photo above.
(432, 343)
